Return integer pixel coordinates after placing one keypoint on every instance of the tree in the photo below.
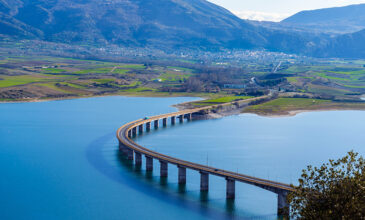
(193, 84)
(336, 190)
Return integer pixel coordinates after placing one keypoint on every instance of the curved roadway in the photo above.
(123, 137)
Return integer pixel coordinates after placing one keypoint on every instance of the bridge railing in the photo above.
(126, 143)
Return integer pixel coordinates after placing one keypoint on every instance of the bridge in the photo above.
(133, 151)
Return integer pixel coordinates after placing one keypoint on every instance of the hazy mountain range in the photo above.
(174, 24)
(346, 19)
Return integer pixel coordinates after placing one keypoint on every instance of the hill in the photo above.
(169, 23)
(346, 19)
(344, 46)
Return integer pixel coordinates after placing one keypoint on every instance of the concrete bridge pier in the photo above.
(231, 188)
(182, 175)
(148, 126)
(156, 123)
(181, 117)
(149, 163)
(163, 168)
(122, 148)
(130, 133)
(130, 154)
(173, 118)
(140, 129)
(283, 206)
(189, 117)
(138, 158)
(134, 131)
(164, 122)
(204, 181)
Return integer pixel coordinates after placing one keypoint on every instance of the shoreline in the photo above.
(292, 113)
(289, 113)
(297, 112)
(183, 106)
(156, 95)
(281, 115)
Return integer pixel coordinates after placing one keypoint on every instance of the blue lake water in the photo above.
(59, 159)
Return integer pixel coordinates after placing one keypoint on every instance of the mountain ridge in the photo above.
(344, 46)
(131, 23)
(340, 20)
(161, 24)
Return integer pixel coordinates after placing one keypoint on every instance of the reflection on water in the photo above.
(176, 193)
(60, 160)
(272, 148)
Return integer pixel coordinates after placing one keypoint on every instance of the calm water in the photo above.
(59, 160)
(271, 148)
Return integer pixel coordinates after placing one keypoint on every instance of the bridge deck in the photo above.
(122, 135)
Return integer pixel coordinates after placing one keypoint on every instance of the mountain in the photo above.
(346, 25)
(167, 25)
(344, 46)
(170, 23)
(346, 19)
(163, 24)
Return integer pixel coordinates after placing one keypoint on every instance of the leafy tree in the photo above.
(336, 190)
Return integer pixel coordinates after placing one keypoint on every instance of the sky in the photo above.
(277, 10)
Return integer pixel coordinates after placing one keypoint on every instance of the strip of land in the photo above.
(293, 106)
(293, 88)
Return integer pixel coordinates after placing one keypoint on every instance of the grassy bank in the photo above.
(285, 106)
(220, 100)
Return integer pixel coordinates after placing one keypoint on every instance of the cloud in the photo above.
(260, 16)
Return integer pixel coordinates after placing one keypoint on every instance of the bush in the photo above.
(336, 190)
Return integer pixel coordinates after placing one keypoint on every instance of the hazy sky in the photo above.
(276, 10)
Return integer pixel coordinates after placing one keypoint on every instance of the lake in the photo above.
(59, 159)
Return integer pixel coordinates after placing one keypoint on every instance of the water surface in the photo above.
(59, 159)
(275, 148)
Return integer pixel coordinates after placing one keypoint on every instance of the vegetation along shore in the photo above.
(293, 87)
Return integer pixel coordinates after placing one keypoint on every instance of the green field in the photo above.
(340, 79)
(227, 99)
(120, 71)
(103, 80)
(97, 70)
(355, 86)
(54, 87)
(109, 70)
(361, 72)
(84, 77)
(316, 89)
(326, 76)
(141, 89)
(19, 80)
(221, 100)
(292, 79)
(283, 105)
(131, 85)
(53, 70)
(73, 85)
(132, 66)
